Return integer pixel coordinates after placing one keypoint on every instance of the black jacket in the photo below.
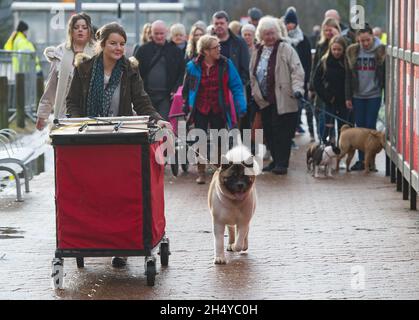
(329, 83)
(175, 63)
(320, 51)
(304, 52)
(239, 54)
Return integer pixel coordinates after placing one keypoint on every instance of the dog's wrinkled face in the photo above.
(233, 179)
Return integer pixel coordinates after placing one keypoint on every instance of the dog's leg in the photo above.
(239, 245)
(231, 237)
(329, 171)
(367, 162)
(372, 163)
(351, 155)
(316, 171)
(246, 242)
(219, 243)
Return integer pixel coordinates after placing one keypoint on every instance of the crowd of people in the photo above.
(259, 75)
(253, 76)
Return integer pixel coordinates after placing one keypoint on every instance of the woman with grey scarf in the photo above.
(301, 44)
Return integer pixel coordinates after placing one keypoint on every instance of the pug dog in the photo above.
(232, 201)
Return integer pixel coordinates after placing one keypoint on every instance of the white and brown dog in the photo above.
(232, 201)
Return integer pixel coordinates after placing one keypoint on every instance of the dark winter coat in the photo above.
(132, 94)
(329, 82)
(321, 49)
(239, 54)
(304, 52)
(175, 63)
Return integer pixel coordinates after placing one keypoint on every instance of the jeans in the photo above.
(320, 119)
(366, 115)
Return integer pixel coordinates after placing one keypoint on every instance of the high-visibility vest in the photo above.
(21, 62)
(384, 38)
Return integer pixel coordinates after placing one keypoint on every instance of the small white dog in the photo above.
(232, 201)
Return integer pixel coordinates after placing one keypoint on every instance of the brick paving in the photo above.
(308, 240)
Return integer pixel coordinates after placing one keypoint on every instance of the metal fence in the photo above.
(20, 70)
(402, 97)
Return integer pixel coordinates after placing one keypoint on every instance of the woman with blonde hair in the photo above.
(329, 83)
(208, 80)
(330, 29)
(178, 36)
(235, 27)
(192, 49)
(80, 39)
(146, 34)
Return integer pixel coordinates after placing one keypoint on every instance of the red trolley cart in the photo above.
(109, 192)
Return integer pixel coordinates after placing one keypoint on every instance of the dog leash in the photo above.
(313, 109)
(196, 152)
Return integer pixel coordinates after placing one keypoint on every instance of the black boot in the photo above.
(281, 171)
(269, 167)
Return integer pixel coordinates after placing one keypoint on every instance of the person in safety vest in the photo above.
(19, 42)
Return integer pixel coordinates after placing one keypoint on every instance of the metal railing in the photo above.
(401, 98)
(19, 68)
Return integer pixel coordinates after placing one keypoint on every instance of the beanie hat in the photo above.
(291, 17)
(22, 26)
(255, 14)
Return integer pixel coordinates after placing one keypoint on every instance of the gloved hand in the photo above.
(298, 95)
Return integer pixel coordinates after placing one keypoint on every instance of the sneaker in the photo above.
(294, 146)
(281, 171)
(269, 167)
(119, 262)
(359, 166)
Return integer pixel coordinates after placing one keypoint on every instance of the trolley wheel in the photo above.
(80, 262)
(58, 273)
(175, 166)
(151, 272)
(164, 254)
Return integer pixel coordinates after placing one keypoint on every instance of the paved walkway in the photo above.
(351, 237)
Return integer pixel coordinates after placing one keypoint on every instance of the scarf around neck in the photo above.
(295, 36)
(99, 98)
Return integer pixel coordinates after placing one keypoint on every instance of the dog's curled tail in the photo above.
(345, 127)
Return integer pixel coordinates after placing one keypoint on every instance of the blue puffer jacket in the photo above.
(229, 80)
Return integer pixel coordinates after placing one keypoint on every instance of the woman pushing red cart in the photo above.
(109, 184)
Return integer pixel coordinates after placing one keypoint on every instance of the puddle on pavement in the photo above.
(10, 233)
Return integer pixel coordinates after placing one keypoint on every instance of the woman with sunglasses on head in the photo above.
(80, 39)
